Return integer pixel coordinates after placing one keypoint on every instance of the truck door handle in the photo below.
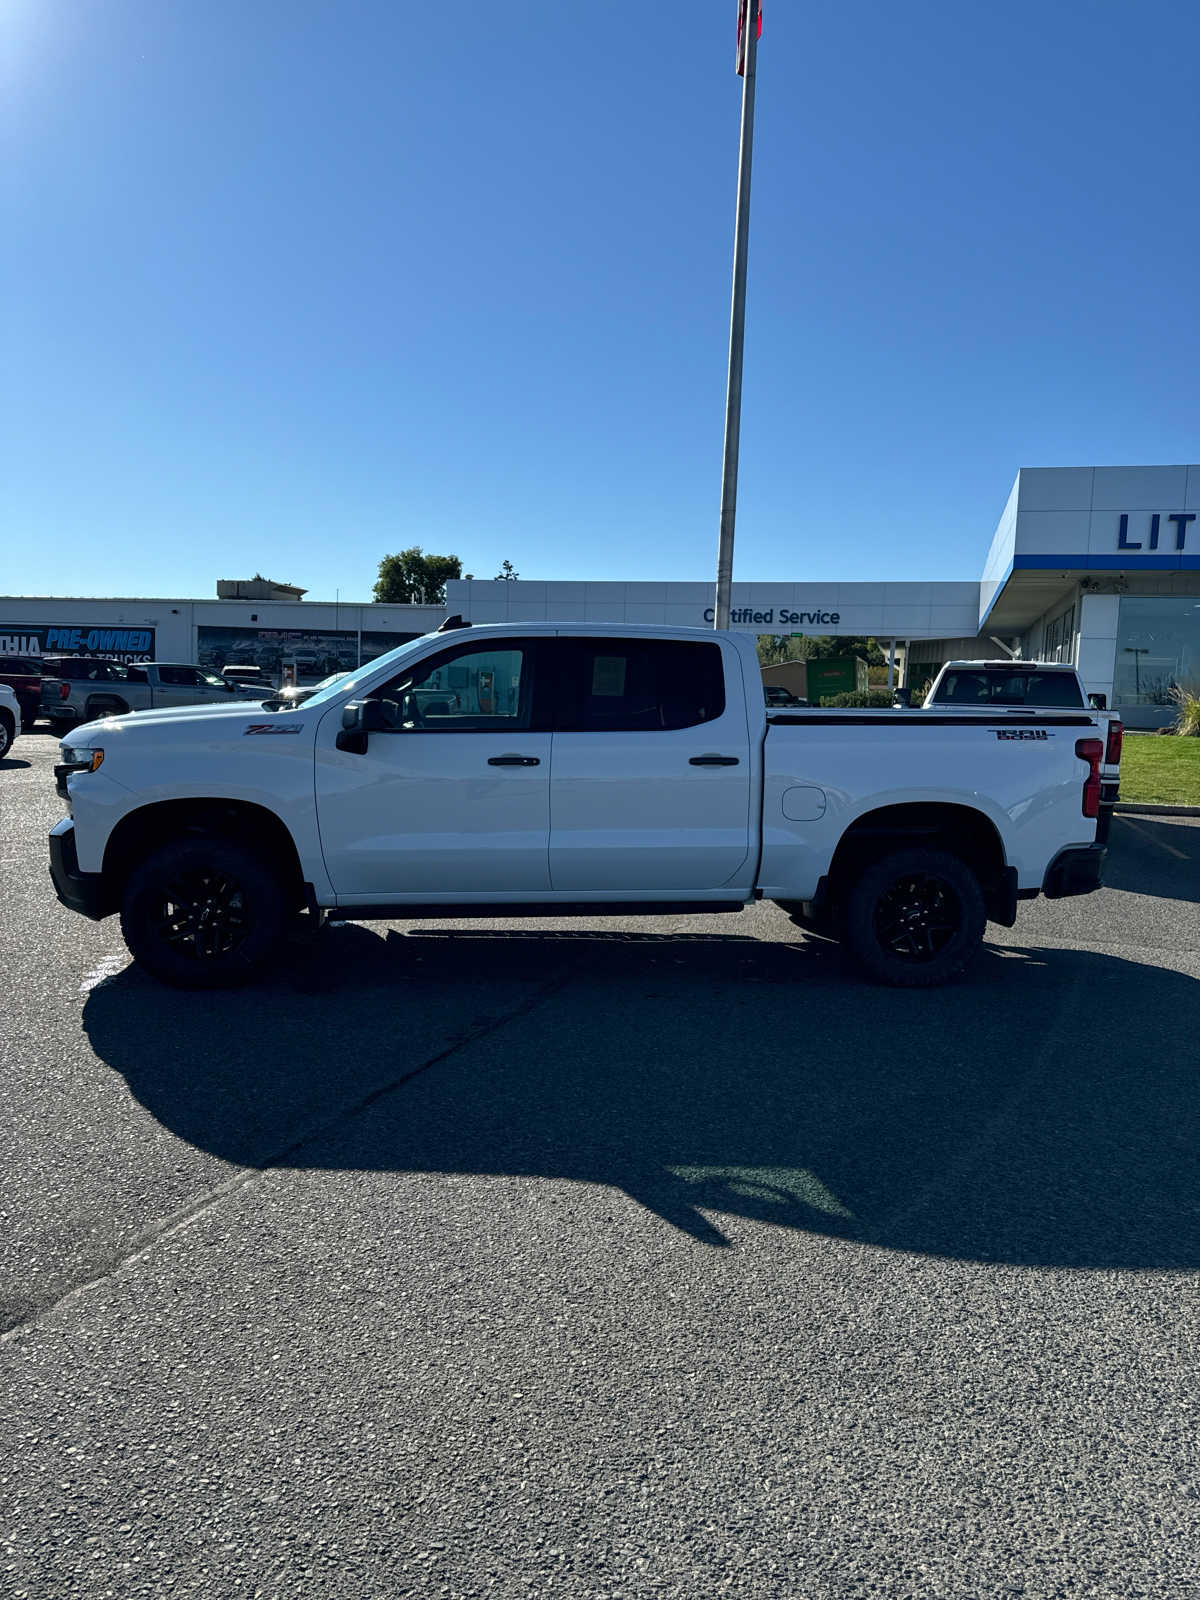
(712, 761)
(514, 761)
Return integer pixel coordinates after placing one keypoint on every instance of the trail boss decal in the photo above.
(1023, 733)
(269, 727)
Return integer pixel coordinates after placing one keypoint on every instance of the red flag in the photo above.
(741, 44)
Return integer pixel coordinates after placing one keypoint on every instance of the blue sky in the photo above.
(286, 286)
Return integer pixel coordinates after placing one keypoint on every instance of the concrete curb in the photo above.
(1147, 808)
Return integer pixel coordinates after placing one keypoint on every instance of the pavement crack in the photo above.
(149, 1238)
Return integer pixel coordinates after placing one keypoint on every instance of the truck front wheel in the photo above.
(204, 913)
(915, 917)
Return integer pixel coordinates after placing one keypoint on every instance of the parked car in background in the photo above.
(23, 675)
(245, 674)
(1027, 685)
(294, 694)
(69, 682)
(10, 719)
(1020, 687)
(83, 689)
(776, 695)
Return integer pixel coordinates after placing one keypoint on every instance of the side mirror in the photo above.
(902, 698)
(360, 718)
(1098, 702)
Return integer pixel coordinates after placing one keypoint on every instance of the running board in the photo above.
(443, 912)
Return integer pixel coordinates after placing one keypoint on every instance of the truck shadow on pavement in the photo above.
(1154, 857)
(1042, 1113)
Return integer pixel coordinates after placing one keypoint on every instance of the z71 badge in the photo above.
(271, 727)
(1023, 733)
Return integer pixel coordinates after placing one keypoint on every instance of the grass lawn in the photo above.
(1154, 768)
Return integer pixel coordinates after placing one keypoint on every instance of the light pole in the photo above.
(749, 23)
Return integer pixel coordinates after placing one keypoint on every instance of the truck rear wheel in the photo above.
(104, 706)
(204, 913)
(915, 918)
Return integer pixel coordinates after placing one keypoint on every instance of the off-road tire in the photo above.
(164, 921)
(915, 918)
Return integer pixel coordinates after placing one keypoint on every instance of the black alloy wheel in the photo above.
(202, 915)
(915, 918)
(205, 912)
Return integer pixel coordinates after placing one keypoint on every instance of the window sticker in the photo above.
(608, 676)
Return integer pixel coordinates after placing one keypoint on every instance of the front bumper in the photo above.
(1078, 870)
(78, 891)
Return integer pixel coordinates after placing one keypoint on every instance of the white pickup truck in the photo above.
(1015, 686)
(571, 769)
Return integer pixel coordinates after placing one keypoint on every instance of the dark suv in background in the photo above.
(23, 675)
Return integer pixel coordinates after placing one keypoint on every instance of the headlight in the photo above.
(82, 759)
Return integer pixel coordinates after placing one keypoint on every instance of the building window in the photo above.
(310, 653)
(1058, 643)
(1158, 646)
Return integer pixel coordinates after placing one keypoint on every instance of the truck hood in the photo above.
(221, 721)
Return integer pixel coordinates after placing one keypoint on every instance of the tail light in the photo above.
(1116, 738)
(64, 691)
(1091, 751)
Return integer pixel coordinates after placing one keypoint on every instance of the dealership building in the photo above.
(1097, 566)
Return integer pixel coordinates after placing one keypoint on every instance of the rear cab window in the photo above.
(985, 687)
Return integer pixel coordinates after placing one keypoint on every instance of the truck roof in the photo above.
(1012, 665)
(620, 630)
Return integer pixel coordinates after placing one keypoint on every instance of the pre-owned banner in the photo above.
(76, 639)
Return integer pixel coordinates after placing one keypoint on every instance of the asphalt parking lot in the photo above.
(617, 1259)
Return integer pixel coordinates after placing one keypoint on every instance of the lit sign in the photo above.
(1179, 518)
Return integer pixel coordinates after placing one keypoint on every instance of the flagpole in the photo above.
(737, 321)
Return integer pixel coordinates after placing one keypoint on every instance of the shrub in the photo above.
(1187, 719)
(860, 699)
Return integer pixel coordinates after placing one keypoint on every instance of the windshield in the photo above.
(341, 684)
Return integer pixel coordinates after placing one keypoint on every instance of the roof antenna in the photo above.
(452, 624)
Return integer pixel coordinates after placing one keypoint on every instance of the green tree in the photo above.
(413, 578)
(775, 647)
(507, 574)
(831, 644)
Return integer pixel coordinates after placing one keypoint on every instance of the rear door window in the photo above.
(637, 685)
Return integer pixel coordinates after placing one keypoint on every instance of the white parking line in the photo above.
(108, 968)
